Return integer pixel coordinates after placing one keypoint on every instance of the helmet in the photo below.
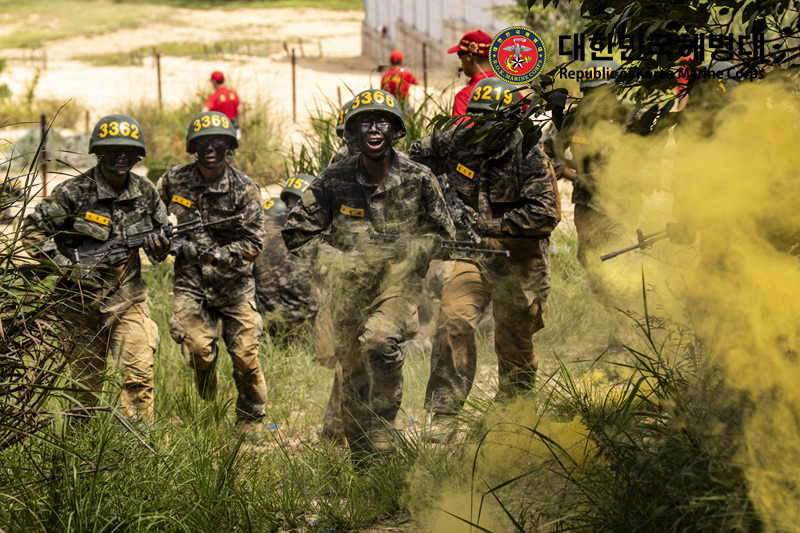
(598, 72)
(296, 185)
(378, 101)
(117, 130)
(729, 75)
(340, 122)
(274, 206)
(210, 123)
(491, 93)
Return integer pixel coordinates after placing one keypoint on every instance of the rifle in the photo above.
(446, 244)
(645, 241)
(459, 211)
(116, 251)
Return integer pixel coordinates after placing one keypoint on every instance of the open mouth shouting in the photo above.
(374, 134)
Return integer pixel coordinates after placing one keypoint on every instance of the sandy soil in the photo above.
(333, 34)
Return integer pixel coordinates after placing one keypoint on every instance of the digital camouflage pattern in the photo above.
(223, 294)
(598, 232)
(343, 153)
(185, 195)
(516, 187)
(373, 290)
(86, 207)
(283, 280)
(107, 304)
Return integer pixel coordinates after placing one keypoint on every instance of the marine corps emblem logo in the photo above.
(517, 55)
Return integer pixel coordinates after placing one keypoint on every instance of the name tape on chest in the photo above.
(580, 140)
(183, 201)
(464, 170)
(352, 211)
(97, 218)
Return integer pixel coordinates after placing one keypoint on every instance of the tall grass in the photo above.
(259, 153)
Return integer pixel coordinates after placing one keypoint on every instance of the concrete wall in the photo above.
(438, 23)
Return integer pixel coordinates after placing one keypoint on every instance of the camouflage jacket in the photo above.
(186, 196)
(87, 208)
(283, 281)
(582, 134)
(343, 206)
(342, 153)
(512, 184)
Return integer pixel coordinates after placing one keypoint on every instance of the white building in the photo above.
(439, 24)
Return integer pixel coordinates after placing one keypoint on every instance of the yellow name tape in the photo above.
(580, 140)
(352, 212)
(97, 218)
(464, 170)
(183, 201)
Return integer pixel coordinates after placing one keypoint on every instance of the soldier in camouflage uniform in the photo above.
(214, 272)
(283, 281)
(374, 291)
(514, 192)
(598, 232)
(349, 144)
(108, 303)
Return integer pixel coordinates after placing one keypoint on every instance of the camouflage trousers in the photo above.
(324, 354)
(130, 338)
(519, 312)
(194, 327)
(367, 338)
(613, 283)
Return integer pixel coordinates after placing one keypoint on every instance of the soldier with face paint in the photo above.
(373, 293)
(107, 303)
(214, 272)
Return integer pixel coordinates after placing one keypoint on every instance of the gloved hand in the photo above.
(490, 228)
(680, 233)
(219, 257)
(156, 245)
(189, 251)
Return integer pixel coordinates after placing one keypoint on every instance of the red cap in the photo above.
(396, 56)
(475, 42)
(217, 76)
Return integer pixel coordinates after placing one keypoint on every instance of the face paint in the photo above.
(211, 151)
(374, 135)
(118, 160)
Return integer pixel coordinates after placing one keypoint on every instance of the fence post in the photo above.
(425, 66)
(294, 89)
(158, 72)
(43, 154)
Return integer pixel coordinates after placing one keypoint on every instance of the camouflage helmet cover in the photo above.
(377, 101)
(598, 72)
(296, 186)
(492, 93)
(210, 123)
(117, 130)
(274, 206)
(340, 120)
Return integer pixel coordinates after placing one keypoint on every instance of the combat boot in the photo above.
(441, 429)
(382, 441)
(252, 430)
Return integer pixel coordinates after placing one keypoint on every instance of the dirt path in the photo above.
(333, 34)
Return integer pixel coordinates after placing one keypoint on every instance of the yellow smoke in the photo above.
(729, 173)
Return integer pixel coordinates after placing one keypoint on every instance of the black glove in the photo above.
(189, 251)
(156, 245)
(490, 228)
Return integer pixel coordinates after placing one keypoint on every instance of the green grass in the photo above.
(39, 21)
(229, 49)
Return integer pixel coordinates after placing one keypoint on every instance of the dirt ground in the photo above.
(327, 47)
